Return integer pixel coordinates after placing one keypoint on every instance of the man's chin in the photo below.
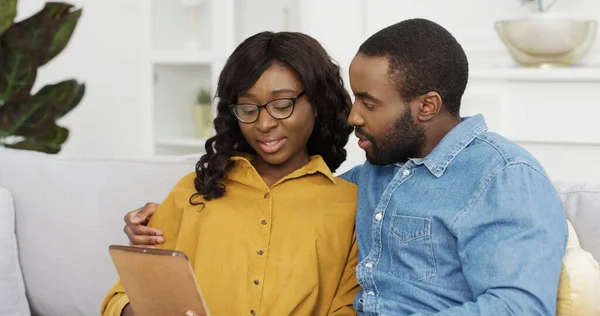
(372, 159)
(383, 160)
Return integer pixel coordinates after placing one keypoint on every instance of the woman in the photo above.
(267, 227)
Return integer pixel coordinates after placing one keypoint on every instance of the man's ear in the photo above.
(430, 105)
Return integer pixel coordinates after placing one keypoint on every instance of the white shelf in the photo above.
(183, 57)
(556, 142)
(515, 73)
(181, 142)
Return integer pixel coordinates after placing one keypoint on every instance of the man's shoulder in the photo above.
(367, 172)
(499, 152)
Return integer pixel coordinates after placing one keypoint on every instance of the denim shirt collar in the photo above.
(453, 143)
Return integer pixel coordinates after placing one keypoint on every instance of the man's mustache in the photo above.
(362, 134)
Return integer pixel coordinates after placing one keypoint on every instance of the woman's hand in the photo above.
(136, 230)
(127, 311)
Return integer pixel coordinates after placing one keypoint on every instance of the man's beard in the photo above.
(403, 141)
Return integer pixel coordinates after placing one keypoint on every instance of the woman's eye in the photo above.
(283, 107)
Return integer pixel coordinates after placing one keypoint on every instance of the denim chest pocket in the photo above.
(411, 248)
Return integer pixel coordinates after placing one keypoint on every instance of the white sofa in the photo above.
(68, 211)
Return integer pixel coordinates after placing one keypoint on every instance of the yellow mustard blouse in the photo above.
(285, 250)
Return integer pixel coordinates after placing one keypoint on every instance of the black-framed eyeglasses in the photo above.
(279, 109)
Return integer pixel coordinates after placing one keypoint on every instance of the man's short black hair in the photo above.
(423, 57)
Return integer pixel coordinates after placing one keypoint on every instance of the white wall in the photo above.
(109, 52)
(341, 34)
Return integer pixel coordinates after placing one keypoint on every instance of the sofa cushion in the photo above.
(564, 303)
(12, 289)
(582, 207)
(579, 288)
(68, 211)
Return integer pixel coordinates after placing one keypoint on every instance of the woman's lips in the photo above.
(271, 146)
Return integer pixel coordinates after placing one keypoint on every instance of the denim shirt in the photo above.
(474, 228)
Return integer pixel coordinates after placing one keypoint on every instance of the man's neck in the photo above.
(437, 131)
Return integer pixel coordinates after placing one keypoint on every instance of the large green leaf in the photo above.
(8, 12)
(31, 144)
(76, 92)
(54, 134)
(18, 71)
(68, 19)
(45, 33)
(26, 121)
(34, 116)
(26, 115)
(50, 143)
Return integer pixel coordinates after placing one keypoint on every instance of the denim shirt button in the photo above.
(379, 216)
(371, 293)
(369, 264)
(405, 173)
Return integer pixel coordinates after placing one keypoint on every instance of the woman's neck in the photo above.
(273, 173)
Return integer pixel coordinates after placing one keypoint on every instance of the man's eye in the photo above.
(368, 105)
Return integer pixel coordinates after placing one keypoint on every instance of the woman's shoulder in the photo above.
(182, 190)
(344, 184)
(186, 182)
(341, 191)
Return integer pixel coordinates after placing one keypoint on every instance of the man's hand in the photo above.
(136, 230)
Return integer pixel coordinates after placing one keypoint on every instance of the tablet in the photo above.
(158, 281)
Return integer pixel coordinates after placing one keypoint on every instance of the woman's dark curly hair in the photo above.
(324, 88)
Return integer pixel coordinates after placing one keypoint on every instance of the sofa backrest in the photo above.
(68, 211)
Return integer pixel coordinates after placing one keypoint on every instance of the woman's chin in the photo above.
(277, 158)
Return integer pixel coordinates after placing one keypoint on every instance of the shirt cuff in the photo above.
(115, 308)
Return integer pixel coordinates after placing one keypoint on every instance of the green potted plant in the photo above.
(203, 115)
(28, 120)
(539, 5)
(546, 40)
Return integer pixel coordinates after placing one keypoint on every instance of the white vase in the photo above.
(191, 43)
(547, 40)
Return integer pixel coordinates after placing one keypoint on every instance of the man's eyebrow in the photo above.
(366, 95)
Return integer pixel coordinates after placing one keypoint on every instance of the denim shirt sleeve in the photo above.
(511, 242)
(352, 174)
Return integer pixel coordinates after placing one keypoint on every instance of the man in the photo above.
(451, 219)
